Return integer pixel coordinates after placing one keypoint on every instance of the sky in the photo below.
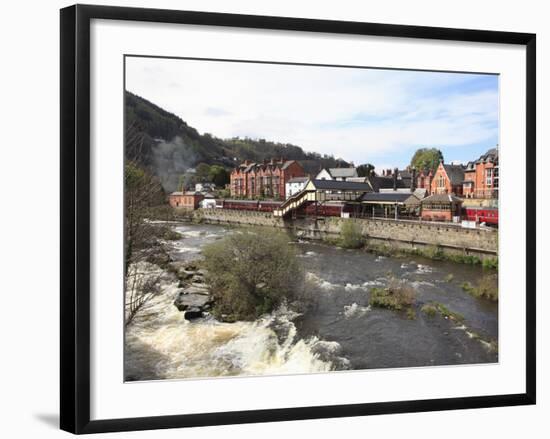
(362, 115)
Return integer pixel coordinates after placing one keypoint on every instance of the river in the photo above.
(341, 332)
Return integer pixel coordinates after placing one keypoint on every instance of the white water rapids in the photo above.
(161, 344)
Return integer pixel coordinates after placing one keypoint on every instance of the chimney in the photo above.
(413, 179)
(395, 179)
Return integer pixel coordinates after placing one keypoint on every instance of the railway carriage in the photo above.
(487, 215)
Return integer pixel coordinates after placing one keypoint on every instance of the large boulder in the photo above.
(193, 312)
(186, 300)
(193, 301)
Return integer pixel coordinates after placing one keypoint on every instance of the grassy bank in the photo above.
(485, 288)
(351, 237)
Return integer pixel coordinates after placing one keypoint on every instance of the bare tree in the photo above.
(141, 286)
(144, 196)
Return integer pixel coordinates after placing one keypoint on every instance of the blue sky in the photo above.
(363, 115)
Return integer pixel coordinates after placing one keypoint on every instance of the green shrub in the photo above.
(446, 312)
(486, 288)
(169, 234)
(331, 240)
(251, 272)
(490, 263)
(398, 295)
(464, 259)
(430, 309)
(434, 252)
(433, 308)
(384, 249)
(350, 235)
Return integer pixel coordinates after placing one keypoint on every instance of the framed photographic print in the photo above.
(268, 218)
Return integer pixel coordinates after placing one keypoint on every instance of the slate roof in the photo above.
(185, 193)
(386, 197)
(420, 193)
(378, 182)
(404, 173)
(298, 180)
(490, 156)
(441, 198)
(455, 173)
(252, 166)
(287, 164)
(341, 185)
(342, 172)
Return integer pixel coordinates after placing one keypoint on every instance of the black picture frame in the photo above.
(75, 217)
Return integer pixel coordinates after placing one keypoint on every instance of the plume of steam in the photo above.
(171, 160)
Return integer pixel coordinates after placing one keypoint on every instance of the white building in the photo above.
(338, 174)
(295, 185)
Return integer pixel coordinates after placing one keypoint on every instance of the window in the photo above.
(440, 184)
(489, 177)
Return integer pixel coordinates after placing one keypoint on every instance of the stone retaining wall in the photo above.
(401, 233)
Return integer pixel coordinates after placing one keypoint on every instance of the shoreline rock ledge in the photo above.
(194, 299)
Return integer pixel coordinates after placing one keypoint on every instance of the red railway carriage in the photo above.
(254, 205)
(324, 209)
(487, 215)
(240, 204)
(268, 206)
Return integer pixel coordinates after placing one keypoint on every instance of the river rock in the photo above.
(197, 279)
(185, 300)
(193, 301)
(186, 274)
(192, 313)
(201, 289)
(183, 270)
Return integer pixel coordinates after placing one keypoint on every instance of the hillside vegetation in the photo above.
(166, 145)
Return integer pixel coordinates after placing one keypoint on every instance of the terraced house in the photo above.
(264, 180)
(481, 176)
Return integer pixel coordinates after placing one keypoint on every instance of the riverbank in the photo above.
(439, 241)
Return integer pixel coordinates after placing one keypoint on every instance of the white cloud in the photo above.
(352, 113)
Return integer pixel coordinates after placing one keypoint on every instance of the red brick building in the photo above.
(441, 207)
(447, 179)
(481, 176)
(424, 179)
(264, 180)
(187, 200)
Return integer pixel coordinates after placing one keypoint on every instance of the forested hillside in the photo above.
(167, 146)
